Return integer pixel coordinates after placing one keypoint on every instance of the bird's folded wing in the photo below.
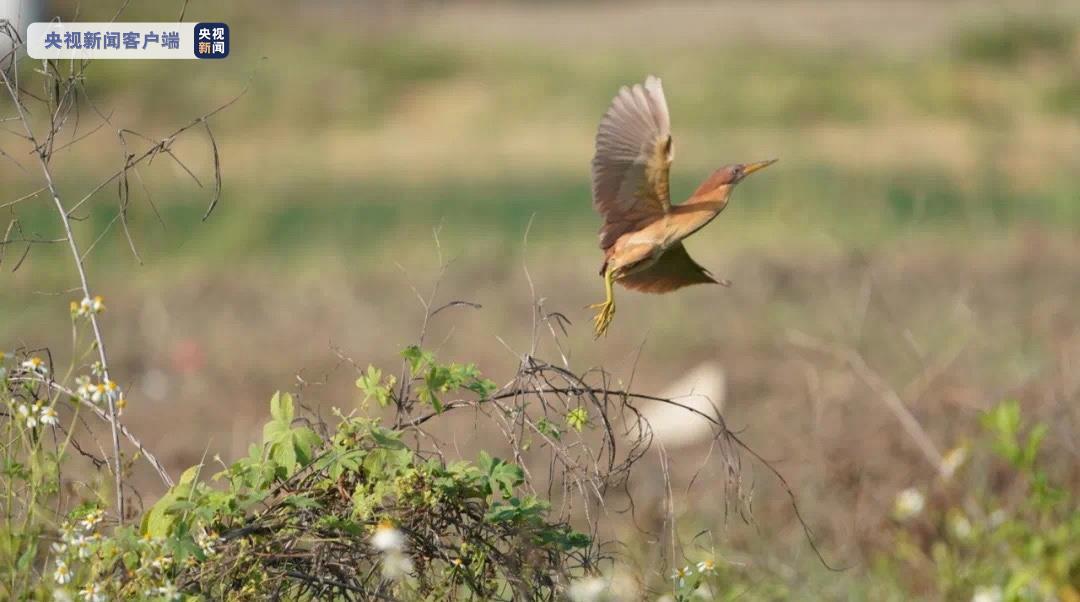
(633, 156)
(675, 269)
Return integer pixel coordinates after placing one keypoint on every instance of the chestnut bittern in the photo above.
(643, 232)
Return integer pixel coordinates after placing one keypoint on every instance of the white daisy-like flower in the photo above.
(207, 541)
(168, 591)
(81, 543)
(67, 533)
(62, 574)
(589, 589)
(88, 306)
(84, 387)
(679, 575)
(36, 365)
(909, 503)
(49, 416)
(112, 390)
(29, 415)
(93, 593)
(707, 567)
(387, 538)
(92, 519)
(161, 562)
(987, 594)
(58, 548)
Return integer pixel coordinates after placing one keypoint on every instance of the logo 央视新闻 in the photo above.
(211, 40)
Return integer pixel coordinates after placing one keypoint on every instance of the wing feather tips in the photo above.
(633, 151)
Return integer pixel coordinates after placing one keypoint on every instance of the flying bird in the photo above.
(642, 232)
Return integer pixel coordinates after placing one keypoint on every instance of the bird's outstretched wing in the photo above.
(675, 269)
(632, 160)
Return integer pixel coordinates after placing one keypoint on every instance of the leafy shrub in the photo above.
(988, 544)
(353, 512)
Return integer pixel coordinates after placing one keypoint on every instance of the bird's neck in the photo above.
(699, 210)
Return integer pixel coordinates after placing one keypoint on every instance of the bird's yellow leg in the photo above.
(607, 308)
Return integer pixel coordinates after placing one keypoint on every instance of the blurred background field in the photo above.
(924, 214)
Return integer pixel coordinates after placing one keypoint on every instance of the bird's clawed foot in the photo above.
(603, 317)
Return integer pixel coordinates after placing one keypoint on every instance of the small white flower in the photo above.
(84, 388)
(168, 591)
(62, 574)
(953, 461)
(29, 415)
(909, 503)
(207, 541)
(36, 365)
(387, 538)
(987, 594)
(589, 589)
(92, 519)
(67, 533)
(110, 390)
(679, 575)
(81, 543)
(161, 563)
(93, 593)
(49, 416)
(98, 393)
(707, 567)
(58, 548)
(61, 595)
(88, 306)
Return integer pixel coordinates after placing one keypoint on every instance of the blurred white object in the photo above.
(19, 13)
(703, 390)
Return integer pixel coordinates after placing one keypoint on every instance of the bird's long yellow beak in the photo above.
(752, 167)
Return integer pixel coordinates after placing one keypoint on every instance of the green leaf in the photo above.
(417, 358)
(300, 502)
(577, 418)
(281, 407)
(158, 521)
(373, 386)
(306, 442)
(27, 558)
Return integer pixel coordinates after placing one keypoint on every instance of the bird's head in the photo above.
(723, 180)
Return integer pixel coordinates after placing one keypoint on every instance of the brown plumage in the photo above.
(642, 232)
